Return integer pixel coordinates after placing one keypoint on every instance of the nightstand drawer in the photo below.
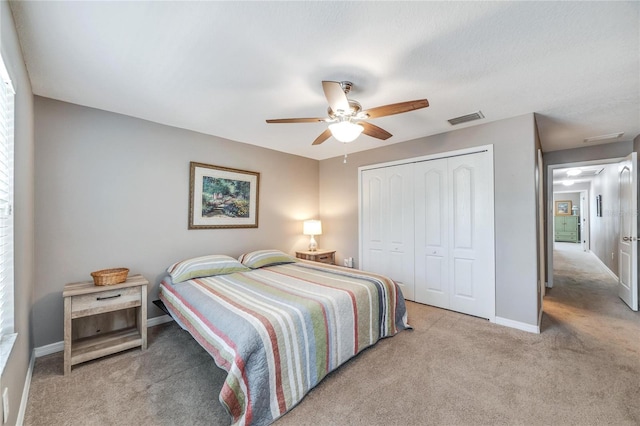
(105, 301)
(325, 258)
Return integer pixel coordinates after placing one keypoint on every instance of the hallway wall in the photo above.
(605, 229)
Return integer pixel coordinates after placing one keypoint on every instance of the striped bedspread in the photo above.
(277, 331)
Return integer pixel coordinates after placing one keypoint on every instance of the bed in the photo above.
(278, 325)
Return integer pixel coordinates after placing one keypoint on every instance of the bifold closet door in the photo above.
(454, 234)
(387, 224)
(432, 233)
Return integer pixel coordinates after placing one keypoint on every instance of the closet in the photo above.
(428, 223)
(387, 207)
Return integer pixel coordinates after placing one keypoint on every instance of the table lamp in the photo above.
(312, 227)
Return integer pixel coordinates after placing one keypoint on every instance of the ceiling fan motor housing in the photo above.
(346, 86)
(354, 109)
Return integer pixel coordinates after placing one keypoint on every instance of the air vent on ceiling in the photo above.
(604, 137)
(466, 118)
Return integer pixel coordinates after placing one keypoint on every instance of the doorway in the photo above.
(592, 199)
(563, 180)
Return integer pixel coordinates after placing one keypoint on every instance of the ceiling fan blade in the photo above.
(323, 137)
(297, 120)
(398, 108)
(374, 131)
(335, 96)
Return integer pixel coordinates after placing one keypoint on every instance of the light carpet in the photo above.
(452, 369)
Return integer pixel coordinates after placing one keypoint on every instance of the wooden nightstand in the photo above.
(97, 319)
(322, 256)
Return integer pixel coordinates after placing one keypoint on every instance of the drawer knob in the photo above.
(108, 297)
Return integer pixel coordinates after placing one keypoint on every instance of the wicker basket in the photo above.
(110, 276)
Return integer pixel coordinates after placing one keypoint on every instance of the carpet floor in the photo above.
(452, 369)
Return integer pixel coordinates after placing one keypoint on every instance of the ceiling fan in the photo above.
(347, 118)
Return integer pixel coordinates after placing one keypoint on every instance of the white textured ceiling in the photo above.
(587, 174)
(222, 68)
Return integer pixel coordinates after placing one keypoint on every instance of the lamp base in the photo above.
(313, 245)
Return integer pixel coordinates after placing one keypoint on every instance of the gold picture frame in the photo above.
(220, 197)
(563, 208)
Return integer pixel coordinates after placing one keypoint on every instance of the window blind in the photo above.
(6, 202)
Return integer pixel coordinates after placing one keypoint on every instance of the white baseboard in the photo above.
(518, 325)
(59, 346)
(606, 268)
(49, 349)
(152, 322)
(25, 390)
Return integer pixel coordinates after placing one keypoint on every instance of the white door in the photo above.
(432, 233)
(628, 238)
(387, 224)
(372, 221)
(471, 234)
(455, 234)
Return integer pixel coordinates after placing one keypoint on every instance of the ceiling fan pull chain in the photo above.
(345, 153)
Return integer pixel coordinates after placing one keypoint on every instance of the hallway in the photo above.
(584, 307)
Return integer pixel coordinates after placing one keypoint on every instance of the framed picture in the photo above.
(563, 208)
(220, 197)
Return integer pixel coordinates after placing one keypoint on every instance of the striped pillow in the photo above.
(204, 266)
(261, 258)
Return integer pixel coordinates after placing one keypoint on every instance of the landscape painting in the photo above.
(563, 208)
(221, 197)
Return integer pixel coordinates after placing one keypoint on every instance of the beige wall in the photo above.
(515, 204)
(113, 190)
(605, 230)
(15, 372)
(563, 194)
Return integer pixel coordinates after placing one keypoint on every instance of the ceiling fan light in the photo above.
(345, 131)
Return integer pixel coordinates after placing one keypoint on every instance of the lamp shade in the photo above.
(345, 131)
(312, 227)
